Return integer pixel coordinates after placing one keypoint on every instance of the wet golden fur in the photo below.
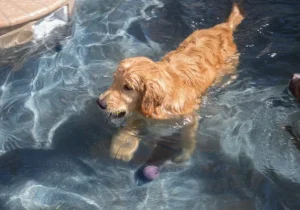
(171, 88)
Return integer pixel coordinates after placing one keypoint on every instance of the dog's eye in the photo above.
(127, 87)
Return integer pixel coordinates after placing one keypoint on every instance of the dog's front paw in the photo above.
(124, 149)
(183, 156)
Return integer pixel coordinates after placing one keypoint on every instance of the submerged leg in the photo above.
(188, 139)
(126, 141)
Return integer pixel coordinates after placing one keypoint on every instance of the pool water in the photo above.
(54, 140)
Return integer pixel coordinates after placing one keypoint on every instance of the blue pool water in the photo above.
(54, 141)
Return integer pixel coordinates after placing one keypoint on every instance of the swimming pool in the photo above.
(54, 140)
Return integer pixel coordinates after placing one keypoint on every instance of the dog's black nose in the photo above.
(102, 104)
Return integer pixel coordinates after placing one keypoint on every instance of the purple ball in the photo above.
(151, 172)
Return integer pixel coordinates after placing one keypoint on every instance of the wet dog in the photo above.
(170, 89)
(294, 86)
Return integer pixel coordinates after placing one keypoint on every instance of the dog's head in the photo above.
(137, 87)
(294, 86)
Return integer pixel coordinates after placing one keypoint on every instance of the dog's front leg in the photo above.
(126, 141)
(188, 138)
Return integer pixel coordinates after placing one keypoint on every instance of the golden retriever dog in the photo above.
(171, 88)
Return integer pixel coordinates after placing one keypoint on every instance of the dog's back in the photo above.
(206, 53)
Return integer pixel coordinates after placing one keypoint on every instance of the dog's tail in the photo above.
(236, 16)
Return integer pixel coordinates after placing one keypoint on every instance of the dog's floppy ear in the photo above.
(154, 95)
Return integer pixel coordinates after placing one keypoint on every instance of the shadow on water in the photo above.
(81, 132)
